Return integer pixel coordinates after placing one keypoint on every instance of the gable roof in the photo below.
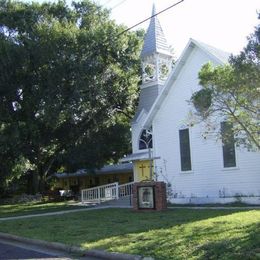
(219, 55)
(155, 40)
(216, 55)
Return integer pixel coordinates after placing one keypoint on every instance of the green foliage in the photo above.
(202, 100)
(108, 144)
(232, 92)
(149, 70)
(66, 76)
(164, 70)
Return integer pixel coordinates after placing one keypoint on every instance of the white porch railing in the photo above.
(106, 192)
(100, 193)
(125, 189)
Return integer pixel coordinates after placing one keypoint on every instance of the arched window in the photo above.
(146, 139)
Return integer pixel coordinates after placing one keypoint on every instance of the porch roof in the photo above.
(142, 156)
(107, 169)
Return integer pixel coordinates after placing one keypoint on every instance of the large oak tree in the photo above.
(68, 75)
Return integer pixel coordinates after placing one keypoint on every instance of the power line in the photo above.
(105, 3)
(112, 8)
(164, 10)
(108, 1)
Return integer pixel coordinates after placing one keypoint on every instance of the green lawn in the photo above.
(173, 234)
(33, 208)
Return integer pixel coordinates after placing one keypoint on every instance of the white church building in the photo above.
(167, 147)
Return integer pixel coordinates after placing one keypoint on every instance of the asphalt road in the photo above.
(13, 250)
(8, 251)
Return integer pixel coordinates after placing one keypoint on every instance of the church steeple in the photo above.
(156, 59)
(155, 40)
(156, 54)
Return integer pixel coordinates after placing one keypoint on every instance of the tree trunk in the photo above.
(42, 184)
(35, 182)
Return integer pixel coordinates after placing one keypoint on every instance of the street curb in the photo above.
(71, 249)
(111, 256)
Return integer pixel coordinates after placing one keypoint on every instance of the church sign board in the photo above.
(149, 195)
(146, 197)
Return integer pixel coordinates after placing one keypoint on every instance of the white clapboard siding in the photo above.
(208, 178)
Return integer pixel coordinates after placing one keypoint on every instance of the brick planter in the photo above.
(156, 191)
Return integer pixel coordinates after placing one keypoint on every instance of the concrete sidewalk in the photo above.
(59, 212)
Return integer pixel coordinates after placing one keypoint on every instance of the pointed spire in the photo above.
(154, 10)
(155, 40)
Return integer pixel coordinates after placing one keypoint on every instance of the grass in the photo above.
(20, 209)
(173, 234)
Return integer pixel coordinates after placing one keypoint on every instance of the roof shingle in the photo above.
(155, 40)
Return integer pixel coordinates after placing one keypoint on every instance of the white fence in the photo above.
(106, 192)
(125, 189)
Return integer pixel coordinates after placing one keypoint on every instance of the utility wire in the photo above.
(107, 2)
(164, 10)
(115, 6)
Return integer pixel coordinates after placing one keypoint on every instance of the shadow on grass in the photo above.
(217, 236)
(244, 244)
(173, 234)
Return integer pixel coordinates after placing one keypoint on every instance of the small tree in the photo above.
(232, 92)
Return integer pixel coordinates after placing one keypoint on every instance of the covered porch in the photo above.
(85, 179)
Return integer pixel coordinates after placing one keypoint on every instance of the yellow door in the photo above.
(142, 170)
